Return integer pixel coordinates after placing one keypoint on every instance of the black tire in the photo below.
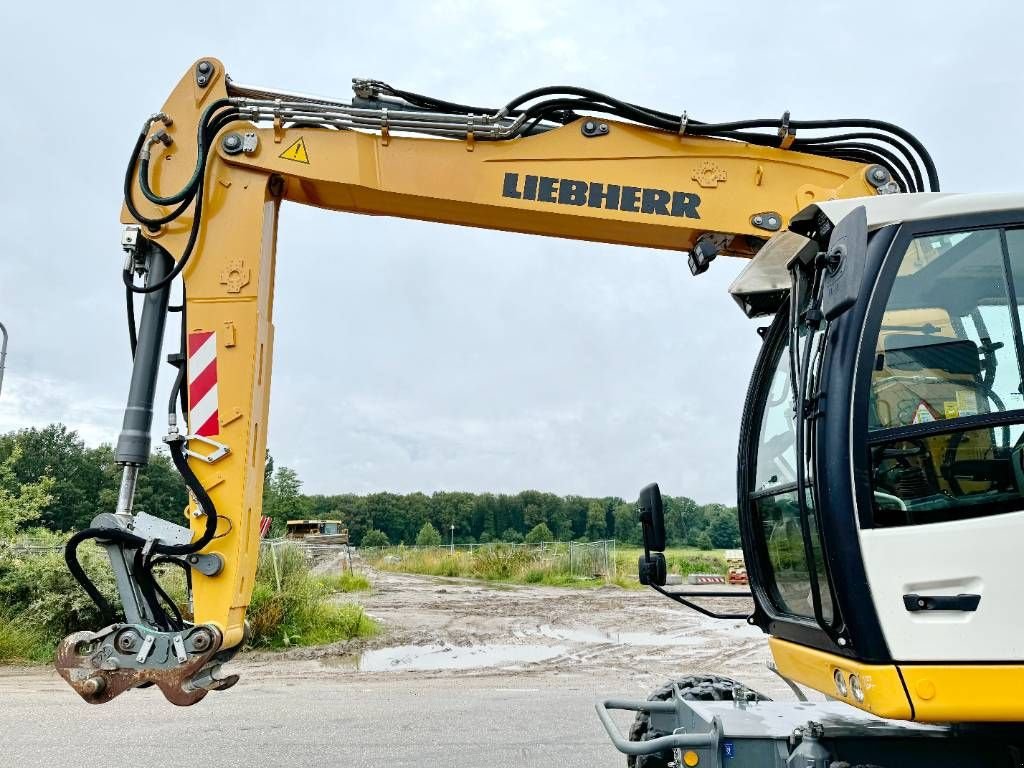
(692, 688)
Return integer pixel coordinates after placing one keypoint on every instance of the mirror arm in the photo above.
(700, 609)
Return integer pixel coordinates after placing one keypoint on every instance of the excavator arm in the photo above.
(202, 193)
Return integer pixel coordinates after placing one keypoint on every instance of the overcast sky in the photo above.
(414, 356)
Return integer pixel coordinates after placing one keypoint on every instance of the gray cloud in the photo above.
(416, 356)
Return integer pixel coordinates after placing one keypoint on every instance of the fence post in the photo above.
(277, 573)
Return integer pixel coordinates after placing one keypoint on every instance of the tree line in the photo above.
(65, 483)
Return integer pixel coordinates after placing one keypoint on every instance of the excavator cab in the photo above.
(882, 458)
(881, 482)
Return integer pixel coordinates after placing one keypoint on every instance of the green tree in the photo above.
(597, 524)
(627, 525)
(20, 503)
(512, 536)
(539, 534)
(724, 530)
(704, 541)
(428, 536)
(78, 478)
(375, 538)
(282, 498)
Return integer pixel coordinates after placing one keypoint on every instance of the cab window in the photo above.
(947, 358)
(775, 503)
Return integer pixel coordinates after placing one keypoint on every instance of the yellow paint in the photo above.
(939, 693)
(691, 758)
(230, 277)
(296, 152)
(883, 691)
(966, 693)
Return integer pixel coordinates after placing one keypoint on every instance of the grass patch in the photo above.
(681, 561)
(546, 565)
(346, 582)
(303, 612)
(40, 602)
(22, 642)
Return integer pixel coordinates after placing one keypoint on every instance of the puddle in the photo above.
(592, 635)
(421, 658)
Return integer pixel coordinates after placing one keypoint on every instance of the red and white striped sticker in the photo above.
(203, 414)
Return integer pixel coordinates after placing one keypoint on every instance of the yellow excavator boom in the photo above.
(594, 179)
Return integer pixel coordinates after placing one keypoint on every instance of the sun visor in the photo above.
(763, 285)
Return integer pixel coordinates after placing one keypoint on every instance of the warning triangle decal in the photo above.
(296, 152)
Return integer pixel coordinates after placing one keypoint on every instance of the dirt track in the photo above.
(445, 627)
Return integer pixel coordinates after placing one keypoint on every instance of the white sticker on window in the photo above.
(967, 402)
(922, 415)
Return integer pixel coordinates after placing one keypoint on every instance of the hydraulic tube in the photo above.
(133, 444)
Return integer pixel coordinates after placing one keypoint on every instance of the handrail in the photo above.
(672, 741)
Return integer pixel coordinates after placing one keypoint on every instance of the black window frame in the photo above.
(769, 614)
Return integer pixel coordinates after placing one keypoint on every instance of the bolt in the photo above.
(193, 559)
(232, 142)
(126, 642)
(773, 222)
(879, 174)
(204, 67)
(603, 128)
(201, 640)
(589, 126)
(759, 220)
(201, 79)
(94, 685)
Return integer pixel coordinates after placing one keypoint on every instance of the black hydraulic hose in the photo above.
(75, 568)
(147, 586)
(885, 158)
(182, 261)
(428, 102)
(867, 153)
(892, 141)
(737, 130)
(201, 149)
(130, 540)
(642, 114)
(129, 177)
(133, 333)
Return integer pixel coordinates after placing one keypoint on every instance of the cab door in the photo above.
(942, 472)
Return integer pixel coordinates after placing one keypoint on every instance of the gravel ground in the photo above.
(466, 674)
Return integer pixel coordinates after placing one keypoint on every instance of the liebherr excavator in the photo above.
(881, 459)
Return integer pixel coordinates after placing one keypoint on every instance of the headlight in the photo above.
(856, 690)
(840, 682)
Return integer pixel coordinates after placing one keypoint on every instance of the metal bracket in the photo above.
(219, 449)
(592, 128)
(204, 73)
(154, 528)
(787, 135)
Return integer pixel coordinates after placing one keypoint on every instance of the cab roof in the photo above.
(764, 283)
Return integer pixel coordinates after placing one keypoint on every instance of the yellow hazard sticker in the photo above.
(951, 409)
(297, 152)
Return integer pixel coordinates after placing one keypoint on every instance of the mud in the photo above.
(450, 627)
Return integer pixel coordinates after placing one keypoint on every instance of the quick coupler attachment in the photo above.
(183, 665)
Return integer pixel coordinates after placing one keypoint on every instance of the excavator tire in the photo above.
(692, 688)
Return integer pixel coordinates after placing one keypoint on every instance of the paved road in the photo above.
(322, 707)
(297, 722)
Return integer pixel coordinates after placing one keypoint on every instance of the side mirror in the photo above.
(652, 518)
(845, 263)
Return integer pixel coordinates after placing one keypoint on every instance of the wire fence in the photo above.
(593, 559)
(589, 560)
